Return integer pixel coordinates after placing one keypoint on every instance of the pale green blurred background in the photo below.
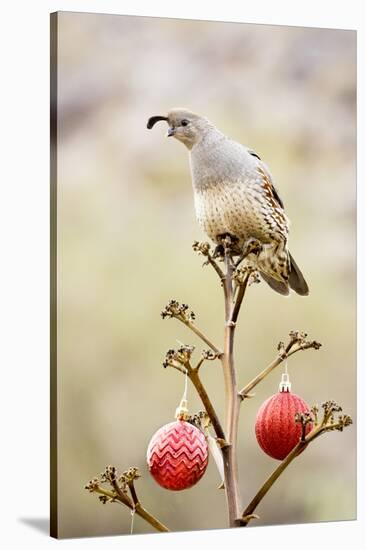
(125, 227)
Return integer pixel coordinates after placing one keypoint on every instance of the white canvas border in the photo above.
(24, 274)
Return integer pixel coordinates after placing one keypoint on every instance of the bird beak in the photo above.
(170, 132)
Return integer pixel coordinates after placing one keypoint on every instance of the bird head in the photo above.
(184, 125)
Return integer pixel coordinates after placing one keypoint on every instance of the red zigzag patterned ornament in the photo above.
(275, 428)
(177, 455)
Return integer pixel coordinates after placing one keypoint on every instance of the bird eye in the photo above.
(184, 122)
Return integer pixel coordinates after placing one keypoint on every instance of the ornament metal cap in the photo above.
(181, 412)
(285, 384)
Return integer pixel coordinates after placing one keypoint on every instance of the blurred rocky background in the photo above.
(125, 227)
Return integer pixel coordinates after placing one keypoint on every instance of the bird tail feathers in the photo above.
(279, 286)
(296, 279)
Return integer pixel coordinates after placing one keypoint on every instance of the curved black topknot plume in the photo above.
(153, 120)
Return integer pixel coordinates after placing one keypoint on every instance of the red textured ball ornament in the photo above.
(177, 455)
(276, 430)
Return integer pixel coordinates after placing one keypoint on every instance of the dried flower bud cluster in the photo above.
(310, 344)
(297, 335)
(109, 475)
(344, 420)
(243, 274)
(200, 419)
(209, 355)
(315, 412)
(304, 418)
(129, 475)
(120, 485)
(329, 421)
(254, 278)
(299, 338)
(332, 423)
(182, 356)
(201, 247)
(92, 485)
(179, 311)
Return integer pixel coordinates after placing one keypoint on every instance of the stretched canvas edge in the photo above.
(53, 277)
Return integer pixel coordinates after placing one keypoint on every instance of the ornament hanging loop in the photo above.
(133, 510)
(285, 384)
(181, 412)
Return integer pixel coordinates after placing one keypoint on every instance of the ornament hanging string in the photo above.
(182, 410)
(132, 518)
(184, 396)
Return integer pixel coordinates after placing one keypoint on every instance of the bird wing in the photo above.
(268, 185)
(272, 199)
(267, 178)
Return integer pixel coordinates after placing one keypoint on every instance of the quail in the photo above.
(235, 197)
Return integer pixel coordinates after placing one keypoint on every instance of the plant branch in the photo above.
(204, 249)
(239, 299)
(119, 493)
(123, 488)
(180, 359)
(232, 399)
(204, 338)
(129, 478)
(207, 355)
(328, 423)
(181, 312)
(216, 424)
(297, 343)
(270, 481)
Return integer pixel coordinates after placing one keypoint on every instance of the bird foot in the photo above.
(218, 252)
(228, 244)
(251, 246)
